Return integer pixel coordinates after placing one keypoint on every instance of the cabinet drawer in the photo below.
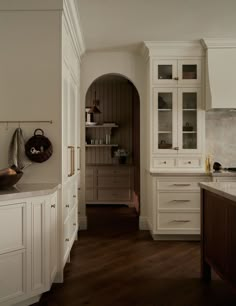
(12, 275)
(178, 185)
(163, 162)
(113, 171)
(114, 195)
(189, 163)
(116, 181)
(178, 221)
(12, 227)
(179, 200)
(89, 181)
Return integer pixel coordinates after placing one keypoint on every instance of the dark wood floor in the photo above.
(114, 264)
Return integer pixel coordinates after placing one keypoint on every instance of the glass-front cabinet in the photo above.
(177, 72)
(176, 120)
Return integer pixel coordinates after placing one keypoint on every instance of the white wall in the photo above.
(130, 65)
(30, 82)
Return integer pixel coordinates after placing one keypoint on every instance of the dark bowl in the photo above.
(7, 181)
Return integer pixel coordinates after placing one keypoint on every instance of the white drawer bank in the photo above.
(174, 206)
(28, 242)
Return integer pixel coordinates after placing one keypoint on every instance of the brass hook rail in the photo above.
(26, 121)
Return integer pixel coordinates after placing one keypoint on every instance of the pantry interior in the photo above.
(112, 141)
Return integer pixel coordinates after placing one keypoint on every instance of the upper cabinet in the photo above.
(176, 118)
(176, 72)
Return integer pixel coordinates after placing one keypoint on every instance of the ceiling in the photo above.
(124, 24)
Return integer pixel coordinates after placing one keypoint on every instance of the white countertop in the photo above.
(28, 190)
(224, 189)
(223, 173)
(193, 173)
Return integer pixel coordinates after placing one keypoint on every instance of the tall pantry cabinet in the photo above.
(176, 138)
(40, 80)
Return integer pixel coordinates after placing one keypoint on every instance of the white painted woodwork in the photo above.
(179, 222)
(12, 222)
(174, 205)
(178, 200)
(220, 73)
(12, 276)
(38, 244)
(53, 237)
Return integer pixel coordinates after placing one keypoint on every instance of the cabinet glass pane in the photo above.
(189, 120)
(165, 120)
(165, 72)
(189, 72)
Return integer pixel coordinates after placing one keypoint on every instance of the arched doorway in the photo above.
(112, 142)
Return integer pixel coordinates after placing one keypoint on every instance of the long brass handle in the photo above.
(71, 161)
(184, 201)
(180, 221)
(182, 185)
(78, 156)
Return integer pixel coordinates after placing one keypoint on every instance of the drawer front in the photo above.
(164, 162)
(116, 181)
(189, 163)
(114, 195)
(90, 195)
(89, 181)
(178, 185)
(12, 276)
(113, 171)
(12, 227)
(178, 221)
(179, 200)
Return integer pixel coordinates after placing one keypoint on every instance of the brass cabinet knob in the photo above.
(53, 206)
(67, 239)
(67, 205)
(176, 78)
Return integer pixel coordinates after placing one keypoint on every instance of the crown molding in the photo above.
(72, 16)
(215, 43)
(172, 48)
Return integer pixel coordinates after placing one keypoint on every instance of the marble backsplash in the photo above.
(221, 136)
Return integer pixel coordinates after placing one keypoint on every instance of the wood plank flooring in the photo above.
(114, 264)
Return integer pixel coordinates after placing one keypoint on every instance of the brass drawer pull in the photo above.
(185, 201)
(181, 221)
(182, 185)
(53, 206)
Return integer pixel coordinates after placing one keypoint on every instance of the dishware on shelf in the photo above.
(187, 127)
(91, 123)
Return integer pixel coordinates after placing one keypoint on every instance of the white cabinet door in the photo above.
(189, 72)
(165, 72)
(53, 237)
(12, 275)
(189, 120)
(39, 251)
(165, 120)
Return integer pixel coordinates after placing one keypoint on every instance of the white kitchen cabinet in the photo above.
(175, 206)
(177, 121)
(28, 247)
(176, 116)
(176, 72)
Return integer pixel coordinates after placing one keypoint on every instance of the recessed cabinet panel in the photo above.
(181, 221)
(12, 275)
(12, 222)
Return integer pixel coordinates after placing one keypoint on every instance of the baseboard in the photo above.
(143, 224)
(176, 237)
(83, 223)
(29, 301)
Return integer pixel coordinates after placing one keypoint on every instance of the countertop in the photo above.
(223, 173)
(28, 190)
(224, 189)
